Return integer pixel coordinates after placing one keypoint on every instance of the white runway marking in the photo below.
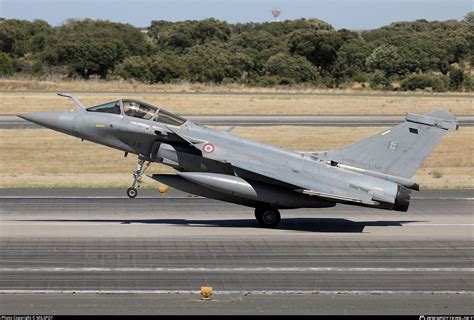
(181, 197)
(438, 224)
(240, 292)
(97, 197)
(244, 269)
(443, 198)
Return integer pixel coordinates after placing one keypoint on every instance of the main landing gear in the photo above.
(267, 216)
(137, 177)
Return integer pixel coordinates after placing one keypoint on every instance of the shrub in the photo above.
(456, 78)
(468, 83)
(136, 68)
(379, 80)
(424, 81)
(6, 65)
(360, 77)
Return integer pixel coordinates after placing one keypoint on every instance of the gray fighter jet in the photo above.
(375, 172)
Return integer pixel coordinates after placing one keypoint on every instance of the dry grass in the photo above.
(44, 158)
(240, 104)
(58, 84)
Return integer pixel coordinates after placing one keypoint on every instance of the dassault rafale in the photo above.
(375, 172)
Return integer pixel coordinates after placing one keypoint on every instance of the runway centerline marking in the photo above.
(240, 292)
(242, 269)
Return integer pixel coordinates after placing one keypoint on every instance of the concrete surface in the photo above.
(66, 251)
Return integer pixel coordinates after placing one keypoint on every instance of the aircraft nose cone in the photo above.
(59, 121)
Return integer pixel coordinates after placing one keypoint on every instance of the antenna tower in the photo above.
(276, 14)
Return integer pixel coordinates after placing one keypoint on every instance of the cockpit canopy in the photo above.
(138, 109)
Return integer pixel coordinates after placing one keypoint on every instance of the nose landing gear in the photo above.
(132, 192)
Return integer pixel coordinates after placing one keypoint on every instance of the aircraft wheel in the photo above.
(132, 192)
(267, 217)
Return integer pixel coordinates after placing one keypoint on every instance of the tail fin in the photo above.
(401, 150)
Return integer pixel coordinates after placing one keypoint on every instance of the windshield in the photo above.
(169, 118)
(138, 109)
(109, 107)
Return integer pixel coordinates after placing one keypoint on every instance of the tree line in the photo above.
(435, 55)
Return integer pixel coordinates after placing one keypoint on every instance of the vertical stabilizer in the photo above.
(401, 150)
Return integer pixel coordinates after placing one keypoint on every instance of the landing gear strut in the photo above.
(267, 216)
(137, 177)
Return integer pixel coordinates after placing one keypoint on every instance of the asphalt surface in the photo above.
(96, 251)
(237, 304)
(13, 122)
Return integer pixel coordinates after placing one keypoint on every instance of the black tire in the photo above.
(259, 213)
(132, 192)
(267, 217)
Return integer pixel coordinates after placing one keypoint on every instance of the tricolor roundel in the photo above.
(208, 148)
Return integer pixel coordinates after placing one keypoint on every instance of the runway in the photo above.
(97, 251)
(13, 122)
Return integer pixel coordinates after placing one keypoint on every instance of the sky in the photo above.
(350, 14)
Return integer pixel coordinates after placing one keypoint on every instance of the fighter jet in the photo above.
(375, 172)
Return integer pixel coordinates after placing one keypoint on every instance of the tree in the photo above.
(420, 54)
(351, 58)
(41, 32)
(209, 30)
(212, 63)
(469, 22)
(157, 27)
(292, 69)
(90, 47)
(386, 58)
(469, 19)
(452, 36)
(457, 46)
(186, 34)
(258, 40)
(88, 58)
(178, 37)
(159, 68)
(19, 37)
(166, 68)
(210, 50)
(320, 48)
(257, 46)
(283, 28)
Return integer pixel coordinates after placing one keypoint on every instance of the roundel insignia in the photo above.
(208, 148)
